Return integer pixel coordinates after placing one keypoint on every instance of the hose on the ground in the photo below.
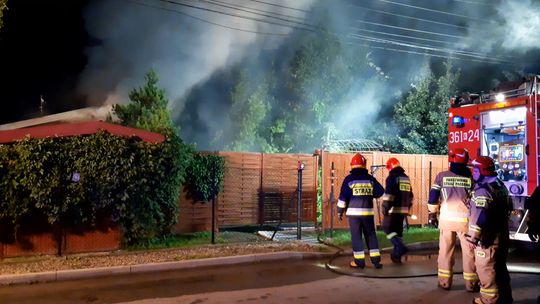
(340, 252)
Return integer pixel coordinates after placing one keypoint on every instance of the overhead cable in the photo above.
(235, 15)
(408, 17)
(411, 30)
(281, 6)
(207, 21)
(428, 9)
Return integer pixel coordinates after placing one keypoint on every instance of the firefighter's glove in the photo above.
(432, 220)
(340, 217)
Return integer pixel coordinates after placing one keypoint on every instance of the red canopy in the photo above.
(74, 129)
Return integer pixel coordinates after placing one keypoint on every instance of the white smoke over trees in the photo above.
(288, 88)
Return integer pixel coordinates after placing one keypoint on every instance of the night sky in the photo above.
(41, 52)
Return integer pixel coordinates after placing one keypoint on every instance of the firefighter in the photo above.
(533, 205)
(448, 199)
(356, 201)
(397, 201)
(488, 233)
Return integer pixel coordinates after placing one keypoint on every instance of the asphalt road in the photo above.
(298, 281)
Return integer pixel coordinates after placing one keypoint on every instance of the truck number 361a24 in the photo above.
(463, 136)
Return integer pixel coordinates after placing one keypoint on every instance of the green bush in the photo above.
(135, 182)
(205, 178)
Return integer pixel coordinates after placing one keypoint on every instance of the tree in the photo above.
(3, 6)
(148, 109)
(422, 115)
(318, 82)
(251, 101)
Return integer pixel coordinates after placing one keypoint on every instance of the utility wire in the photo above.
(266, 14)
(207, 21)
(412, 30)
(399, 35)
(425, 53)
(428, 9)
(408, 17)
(281, 6)
(235, 15)
(474, 2)
(376, 40)
(257, 10)
(403, 43)
(429, 48)
(422, 39)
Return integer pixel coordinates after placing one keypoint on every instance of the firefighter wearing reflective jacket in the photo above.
(356, 201)
(448, 198)
(397, 202)
(488, 232)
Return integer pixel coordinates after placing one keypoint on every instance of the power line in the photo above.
(207, 21)
(428, 9)
(412, 30)
(281, 6)
(473, 2)
(424, 53)
(399, 35)
(237, 8)
(234, 15)
(257, 10)
(364, 37)
(421, 39)
(429, 48)
(408, 17)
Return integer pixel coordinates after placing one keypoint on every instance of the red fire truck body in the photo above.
(503, 125)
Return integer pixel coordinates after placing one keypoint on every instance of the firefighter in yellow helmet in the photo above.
(356, 202)
(397, 202)
(488, 233)
(448, 199)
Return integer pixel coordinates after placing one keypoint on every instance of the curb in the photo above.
(63, 275)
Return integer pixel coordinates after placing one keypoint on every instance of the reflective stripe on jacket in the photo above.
(357, 192)
(448, 196)
(398, 195)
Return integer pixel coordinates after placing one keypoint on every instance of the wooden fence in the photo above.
(258, 189)
(91, 240)
(421, 169)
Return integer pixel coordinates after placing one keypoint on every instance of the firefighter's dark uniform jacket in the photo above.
(448, 196)
(490, 209)
(398, 194)
(488, 227)
(357, 193)
(356, 201)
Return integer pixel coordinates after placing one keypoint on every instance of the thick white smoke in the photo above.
(135, 36)
(505, 27)
(521, 28)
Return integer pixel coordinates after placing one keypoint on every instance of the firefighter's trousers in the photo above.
(447, 244)
(392, 226)
(494, 276)
(364, 225)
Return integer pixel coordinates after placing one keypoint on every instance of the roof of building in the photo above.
(74, 129)
(79, 115)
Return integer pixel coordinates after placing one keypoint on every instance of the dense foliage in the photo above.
(205, 178)
(75, 180)
(422, 114)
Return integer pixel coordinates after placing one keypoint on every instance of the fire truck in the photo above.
(503, 124)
